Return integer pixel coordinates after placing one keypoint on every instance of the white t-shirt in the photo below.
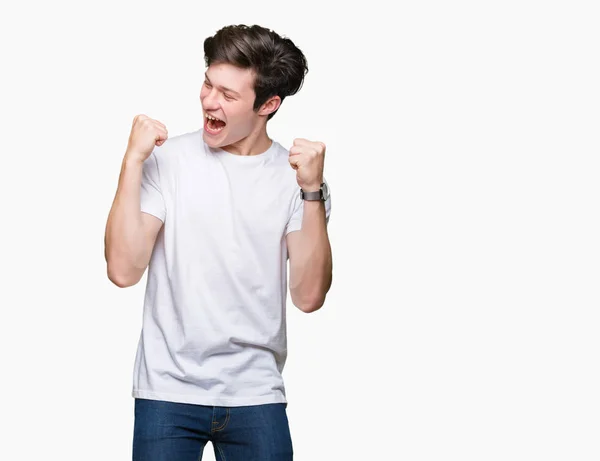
(214, 319)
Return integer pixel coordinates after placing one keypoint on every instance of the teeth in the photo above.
(210, 117)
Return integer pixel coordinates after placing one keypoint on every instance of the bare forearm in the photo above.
(311, 273)
(124, 240)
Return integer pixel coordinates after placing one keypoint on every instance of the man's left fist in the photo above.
(308, 159)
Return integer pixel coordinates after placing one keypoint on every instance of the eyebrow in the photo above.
(224, 88)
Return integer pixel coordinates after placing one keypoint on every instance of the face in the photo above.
(228, 95)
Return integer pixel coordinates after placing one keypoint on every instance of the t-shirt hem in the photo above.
(293, 228)
(212, 401)
(154, 212)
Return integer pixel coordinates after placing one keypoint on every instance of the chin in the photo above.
(210, 140)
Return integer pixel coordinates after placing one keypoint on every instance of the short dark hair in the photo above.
(278, 64)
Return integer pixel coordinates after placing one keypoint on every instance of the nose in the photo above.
(209, 99)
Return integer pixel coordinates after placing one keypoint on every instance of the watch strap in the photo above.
(316, 195)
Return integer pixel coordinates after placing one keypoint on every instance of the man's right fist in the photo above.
(145, 134)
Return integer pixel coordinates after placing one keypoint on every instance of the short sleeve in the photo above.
(295, 221)
(151, 197)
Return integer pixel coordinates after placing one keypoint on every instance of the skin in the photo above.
(245, 132)
(227, 94)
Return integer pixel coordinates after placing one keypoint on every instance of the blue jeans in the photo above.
(169, 431)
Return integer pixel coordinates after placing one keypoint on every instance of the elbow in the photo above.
(309, 305)
(310, 301)
(121, 279)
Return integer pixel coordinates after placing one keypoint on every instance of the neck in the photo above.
(255, 143)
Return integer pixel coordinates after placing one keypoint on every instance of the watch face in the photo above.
(325, 191)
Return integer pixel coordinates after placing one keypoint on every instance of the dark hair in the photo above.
(278, 64)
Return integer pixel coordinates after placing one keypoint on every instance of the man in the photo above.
(216, 214)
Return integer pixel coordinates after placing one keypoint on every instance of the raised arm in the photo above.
(130, 233)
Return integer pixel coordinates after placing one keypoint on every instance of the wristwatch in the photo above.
(322, 194)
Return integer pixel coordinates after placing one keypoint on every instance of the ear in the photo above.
(270, 106)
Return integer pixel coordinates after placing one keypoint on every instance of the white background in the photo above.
(462, 156)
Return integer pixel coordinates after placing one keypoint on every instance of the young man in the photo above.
(216, 214)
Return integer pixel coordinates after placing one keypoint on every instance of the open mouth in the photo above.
(213, 125)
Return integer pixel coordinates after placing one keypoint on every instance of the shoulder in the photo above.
(280, 162)
(279, 150)
(175, 146)
(281, 156)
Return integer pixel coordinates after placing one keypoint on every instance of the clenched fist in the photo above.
(145, 134)
(308, 159)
